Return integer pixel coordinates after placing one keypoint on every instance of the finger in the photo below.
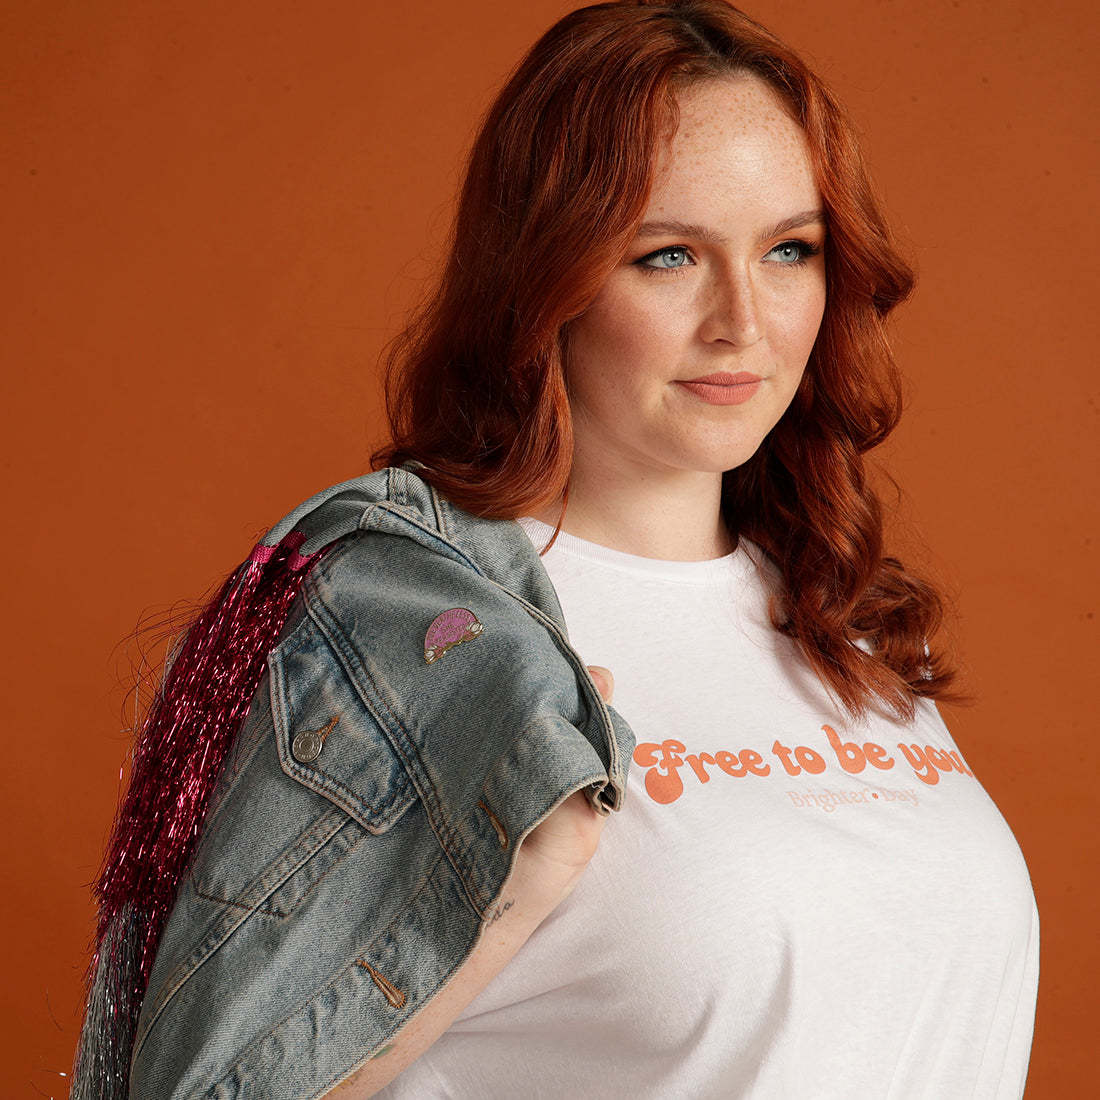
(605, 682)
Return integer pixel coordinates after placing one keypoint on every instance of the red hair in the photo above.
(558, 180)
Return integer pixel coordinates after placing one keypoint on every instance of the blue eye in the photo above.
(794, 252)
(667, 258)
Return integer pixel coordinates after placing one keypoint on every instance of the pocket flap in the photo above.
(327, 737)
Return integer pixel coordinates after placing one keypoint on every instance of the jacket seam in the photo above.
(239, 904)
(446, 835)
(300, 772)
(317, 991)
(222, 924)
(561, 642)
(283, 914)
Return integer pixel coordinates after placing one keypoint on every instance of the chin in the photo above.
(725, 461)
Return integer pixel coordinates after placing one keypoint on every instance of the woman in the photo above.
(659, 342)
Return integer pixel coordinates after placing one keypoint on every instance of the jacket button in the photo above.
(306, 746)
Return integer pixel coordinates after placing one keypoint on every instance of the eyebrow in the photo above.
(702, 233)
(795, 221)
(680, 229)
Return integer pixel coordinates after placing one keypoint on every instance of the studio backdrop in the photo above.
(215, 215)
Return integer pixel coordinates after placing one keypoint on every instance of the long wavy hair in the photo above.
(476, 385)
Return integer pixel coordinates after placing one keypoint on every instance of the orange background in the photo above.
(214, 214)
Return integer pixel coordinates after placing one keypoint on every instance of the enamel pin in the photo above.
(448, 630)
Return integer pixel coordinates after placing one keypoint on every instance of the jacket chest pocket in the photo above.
(312, 778)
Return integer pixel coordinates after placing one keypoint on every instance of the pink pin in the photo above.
(449, 629)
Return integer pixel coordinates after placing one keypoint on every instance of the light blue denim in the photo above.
(330, 898)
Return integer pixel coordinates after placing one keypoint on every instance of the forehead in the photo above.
(734, 136)
(738, 102)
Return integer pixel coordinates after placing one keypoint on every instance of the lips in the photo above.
(723, 388)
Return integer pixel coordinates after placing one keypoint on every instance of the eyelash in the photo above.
(643, 261)
(806, 248)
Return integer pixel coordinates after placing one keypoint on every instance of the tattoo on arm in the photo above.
(501, 910)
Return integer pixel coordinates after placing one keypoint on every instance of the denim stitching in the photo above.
(336, 977)
(326, 781)
(282, 913)
(502, 833)
(440, 512)
(238, 904)
(332, 785)
(317, 609)
(447, 835)
(222, 925)
(395, 996)
(336, 636)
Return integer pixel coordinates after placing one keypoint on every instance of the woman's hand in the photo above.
(549, 864)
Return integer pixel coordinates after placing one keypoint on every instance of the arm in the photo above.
(548, 866)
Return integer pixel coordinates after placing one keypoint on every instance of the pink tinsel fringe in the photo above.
(205, 696)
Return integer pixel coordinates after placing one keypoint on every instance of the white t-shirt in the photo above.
(790, 906)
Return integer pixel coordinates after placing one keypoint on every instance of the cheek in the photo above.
(608, 345)
(802, 324)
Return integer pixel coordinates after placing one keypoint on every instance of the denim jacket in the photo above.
(369, 814)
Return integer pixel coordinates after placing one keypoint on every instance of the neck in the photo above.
(670, 516)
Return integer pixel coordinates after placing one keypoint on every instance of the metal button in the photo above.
(307, 745)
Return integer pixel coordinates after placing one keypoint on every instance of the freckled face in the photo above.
(696, 343)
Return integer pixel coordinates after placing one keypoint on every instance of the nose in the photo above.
(733, 311)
